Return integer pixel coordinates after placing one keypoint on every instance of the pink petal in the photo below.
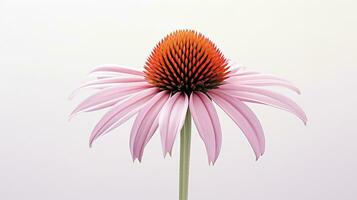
(268, 97)
(117, 79)
(235, 110)
(120, 111)
(207, 123)
(109, 94)
(171, 120)
(109, 83)
(262, 80)
(113, 81)
(107, 75)
(266, 100)
(124, 119)
(146, 124)
(105, 104)
(118, 69)
(256, 76)
(246, 112)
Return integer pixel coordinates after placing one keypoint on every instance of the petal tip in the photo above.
(134, 158)
(72, 115)
(90, 144)
(257, 156)
(304, 120)
(165, 154)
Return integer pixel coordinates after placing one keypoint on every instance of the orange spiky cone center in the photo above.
(186, 61)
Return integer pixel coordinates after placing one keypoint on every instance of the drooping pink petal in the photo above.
(113, 80)
(236, 110)
(215, 122)
(266, 100)
(146, 123)
(256, 76)
(105, 104)
(110, 82)
(121, 111)
(118, 69)
(262, 80)
(172, 117)
(246, 112)
(124, 119)
(207, 123)
(264, 96)
(106, 75)
(269, 83)
(109, 94)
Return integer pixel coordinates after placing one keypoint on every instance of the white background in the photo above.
(47, 48)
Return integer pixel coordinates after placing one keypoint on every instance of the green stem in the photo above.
(185, 144)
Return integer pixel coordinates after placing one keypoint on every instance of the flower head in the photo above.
(186, 61)
(184, 71)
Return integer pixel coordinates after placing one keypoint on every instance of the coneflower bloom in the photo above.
(186, 74)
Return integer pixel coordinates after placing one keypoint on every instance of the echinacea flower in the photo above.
(186, 74)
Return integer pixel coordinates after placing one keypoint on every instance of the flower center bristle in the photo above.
(186, 61)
